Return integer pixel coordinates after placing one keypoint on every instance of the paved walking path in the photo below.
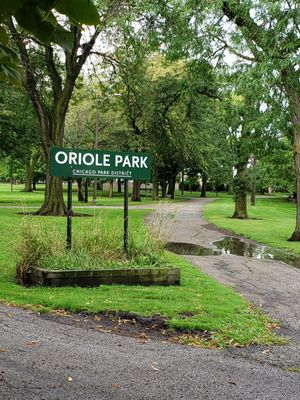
(42, 358)
(272, 285)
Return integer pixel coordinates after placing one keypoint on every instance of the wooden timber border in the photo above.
(91, 278)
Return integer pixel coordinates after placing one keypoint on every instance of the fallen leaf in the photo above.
(3, 350)
(97, 318)
(33, 342)
(232, 383)
(153, 367)
(273, 325)
(143, 336)
(103, 330)
(115, 386)
(61, 313)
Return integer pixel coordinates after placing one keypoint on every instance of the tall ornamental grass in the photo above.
(97, 244)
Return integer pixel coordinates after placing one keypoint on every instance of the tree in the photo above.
(19, 130)
(270, 30)
(59, 82)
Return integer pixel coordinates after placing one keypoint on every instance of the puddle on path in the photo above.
(235, 246)
(190, 249)
(231, 245)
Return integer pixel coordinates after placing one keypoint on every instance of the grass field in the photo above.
(199, 303)
(17, 197)
(271, 221)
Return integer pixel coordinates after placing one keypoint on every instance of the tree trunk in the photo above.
(252, 197)
(80, 196)
(240, 194)
(253, 183)
(96, 147)
(86, 190)
(119, 186)
(136, 192)
(155, 193)
(11, 175)
(54, 201)
(29, 171)
(240, 210)
(294, 100)
(52, 134)
(163, 184)
(95, 191)
(28, 178)
(171, 190)
(111, 189)
(203, 187)
(296, 128)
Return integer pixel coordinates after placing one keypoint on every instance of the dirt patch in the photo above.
(124, 324)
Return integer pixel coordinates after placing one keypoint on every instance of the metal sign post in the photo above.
(69, 215)
(126, 217)
(95, 164)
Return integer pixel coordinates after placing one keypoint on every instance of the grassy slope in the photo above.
(271, 222)
(198, 303)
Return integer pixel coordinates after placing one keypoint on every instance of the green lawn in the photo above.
(271, 221)
(199, 303)
(17, 197)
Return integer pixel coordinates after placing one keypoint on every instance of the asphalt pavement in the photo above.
(42, 359)
(49, 359)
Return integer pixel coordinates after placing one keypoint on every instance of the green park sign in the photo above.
(99, 164)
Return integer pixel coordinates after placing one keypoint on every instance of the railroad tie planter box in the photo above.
(90, 278)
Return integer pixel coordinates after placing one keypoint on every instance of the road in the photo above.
(48, 358)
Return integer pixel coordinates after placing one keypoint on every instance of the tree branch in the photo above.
(56, 81)
(30, 83)
(87, 48)
(233, 51)
(205, 92)
(242, 19)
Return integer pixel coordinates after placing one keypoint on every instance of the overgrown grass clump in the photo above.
(97, 244)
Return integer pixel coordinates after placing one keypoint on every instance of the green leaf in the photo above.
(31, 19)
(46, 5)
(9, 7)
(81, 11)
(3, 35)
(6, 52)
(63, 38)
(9, 73)
(51, 18)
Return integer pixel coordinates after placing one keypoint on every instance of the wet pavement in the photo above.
(237, 247)
(269, 283)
